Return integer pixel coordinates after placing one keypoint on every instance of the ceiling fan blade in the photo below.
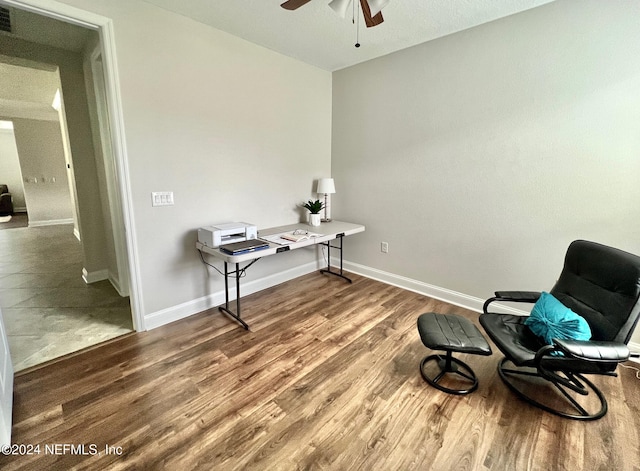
(294, 4)
(369, 20)
(376, 6)
(341, 7)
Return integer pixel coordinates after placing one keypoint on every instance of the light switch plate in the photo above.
(162, 198)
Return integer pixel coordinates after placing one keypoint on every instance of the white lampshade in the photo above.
(341, 7)
(326, 185)
(376, 6)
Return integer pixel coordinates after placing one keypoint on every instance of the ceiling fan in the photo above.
(371, 9)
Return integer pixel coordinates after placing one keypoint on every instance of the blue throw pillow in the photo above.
(551, 319)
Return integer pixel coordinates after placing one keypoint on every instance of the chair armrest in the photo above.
(512, 297)
(589, 350)
(518, 296)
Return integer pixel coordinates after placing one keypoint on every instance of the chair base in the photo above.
(586, 386)
(449, 364)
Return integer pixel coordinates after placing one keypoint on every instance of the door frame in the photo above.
(6, 387)
(111, 177)
(104, 26)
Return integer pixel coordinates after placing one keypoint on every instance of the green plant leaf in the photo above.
(314, 206)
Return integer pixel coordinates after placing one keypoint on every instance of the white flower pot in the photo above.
(314, 219)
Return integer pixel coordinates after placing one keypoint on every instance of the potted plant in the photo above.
(314, 208)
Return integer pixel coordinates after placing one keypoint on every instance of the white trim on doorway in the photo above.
(121, 276)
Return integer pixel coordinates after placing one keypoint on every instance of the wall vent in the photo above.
(5, 20)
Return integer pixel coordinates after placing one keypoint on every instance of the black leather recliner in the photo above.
(6, 201)
(599, 283)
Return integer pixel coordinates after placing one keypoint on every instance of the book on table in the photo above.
(297, 236)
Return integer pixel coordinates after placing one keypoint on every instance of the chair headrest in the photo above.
(602, 284)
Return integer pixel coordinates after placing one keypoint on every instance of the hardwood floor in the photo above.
(319, 383)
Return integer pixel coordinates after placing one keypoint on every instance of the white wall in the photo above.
(236, 131)
(39, 145)
(10, 168)
(480, 156)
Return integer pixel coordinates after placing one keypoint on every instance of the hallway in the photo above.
(47, 308)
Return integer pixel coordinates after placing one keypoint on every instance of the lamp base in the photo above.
(325, 220)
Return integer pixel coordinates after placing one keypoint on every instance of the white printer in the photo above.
(225, 233)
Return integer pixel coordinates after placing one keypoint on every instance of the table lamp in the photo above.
(326, 186)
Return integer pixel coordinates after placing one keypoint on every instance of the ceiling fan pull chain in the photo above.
(357, 7)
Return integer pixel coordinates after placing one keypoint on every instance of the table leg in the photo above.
(225, 309)
(328, 269)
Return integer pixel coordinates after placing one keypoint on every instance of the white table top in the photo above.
(327, 230)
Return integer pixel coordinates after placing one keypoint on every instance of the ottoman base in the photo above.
(449, 364)
(450, 333)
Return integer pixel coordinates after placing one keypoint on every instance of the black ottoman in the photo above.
(451, 333)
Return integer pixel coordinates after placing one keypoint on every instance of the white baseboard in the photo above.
(101, 275)
(94, 276)
(175, 313)
(442, 294)
(50, 222)
(115, 282)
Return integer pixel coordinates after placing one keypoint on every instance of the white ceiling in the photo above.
(317, 35)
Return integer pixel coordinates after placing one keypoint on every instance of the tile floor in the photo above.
(17, 220)
(47, 308)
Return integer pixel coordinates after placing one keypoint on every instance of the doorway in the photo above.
(111, 210)
(48, 309)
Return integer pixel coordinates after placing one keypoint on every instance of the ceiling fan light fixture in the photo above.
(376, 6)
(341, 7)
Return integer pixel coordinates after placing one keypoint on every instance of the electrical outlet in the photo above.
(384, 247)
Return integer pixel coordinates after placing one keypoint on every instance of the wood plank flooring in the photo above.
(327, 379)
